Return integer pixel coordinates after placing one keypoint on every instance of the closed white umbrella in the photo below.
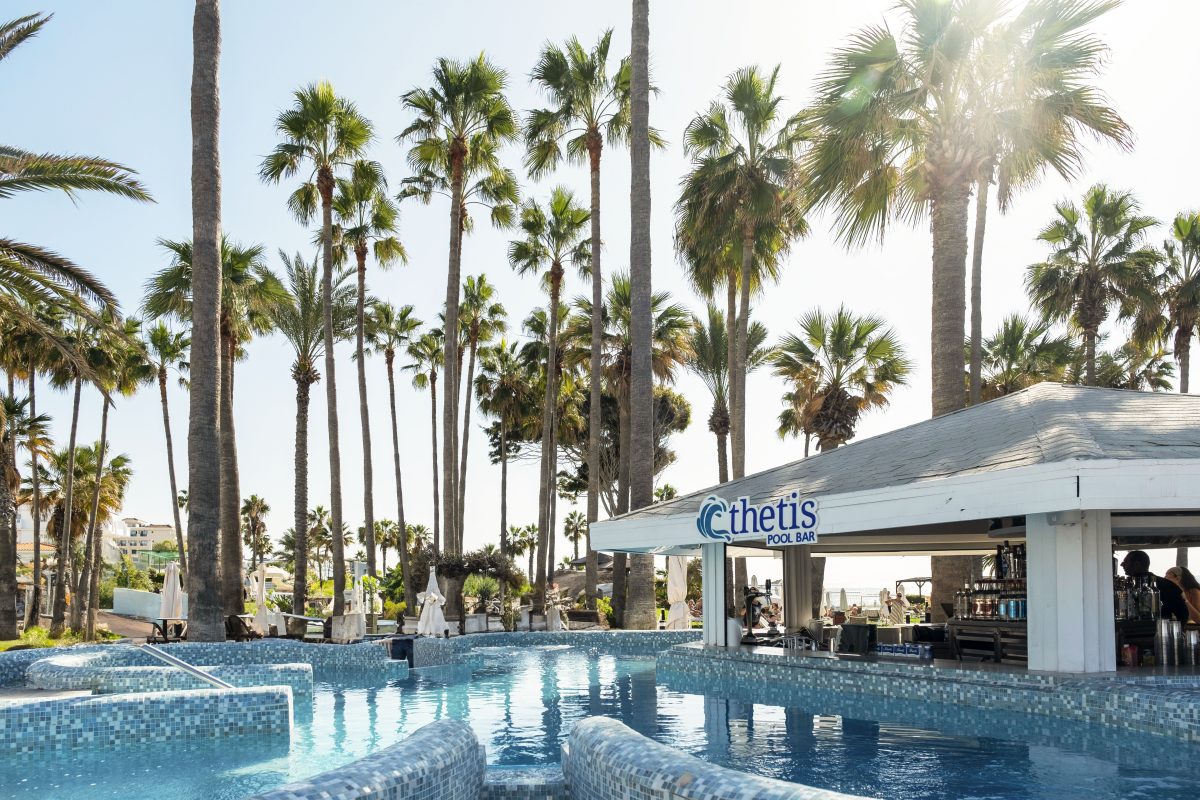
(171, 605)
(678, 616)
(842, 604)
(262, 619)
(432, 621)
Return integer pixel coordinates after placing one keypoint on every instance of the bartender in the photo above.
(1136, 564)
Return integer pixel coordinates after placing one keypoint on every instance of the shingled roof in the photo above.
(1044, 424)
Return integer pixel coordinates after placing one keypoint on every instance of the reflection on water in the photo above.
(523, 702)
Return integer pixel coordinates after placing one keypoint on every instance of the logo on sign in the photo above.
(789, 520)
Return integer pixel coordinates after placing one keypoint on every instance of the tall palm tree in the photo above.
(708, 358)
(389, 330)
(640, 605)
(249, 292)
(523, 540)
(503, 388)
(323, 133)
(1179, 289)
(317, 523)
(481, 318)
(1021, 353)
(205, 590)
(1099, 259)
(367, 220)
(387, 535)
(553, 238)
(587, 105)
(575, 530)
(428, 354)
(300, 319)
(857, 362)
(744, 152)
(254, 508)
(166, 350)
(463, 111)
(1030, 106)
(125, 369)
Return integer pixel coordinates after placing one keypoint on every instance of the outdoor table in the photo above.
(161, 630)
(894, 634)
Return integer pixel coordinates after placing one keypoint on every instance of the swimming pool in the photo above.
(522, 703)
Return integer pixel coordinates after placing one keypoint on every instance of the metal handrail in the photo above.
(195, 672)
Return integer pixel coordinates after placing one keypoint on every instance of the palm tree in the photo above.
(504, 389)
(1136, 365)
(324, 133)
(464, 111)
(317, 525)
(739, 191)
(166, 350)
(1019, 82)
(856, 361)
(249, 292)
(906, 125)
(1021, 353)
(388, 330)
(1179, 289)
(418, 536)
(367, 220)
(427, 354)
(1098, 260)
(300, 319)
(125, 369)
(523, 540)
(481, 319)
(553, 237)
(587, 105)
(204, 467)
(708, 358)
(575, 529)
(254, 508)
(387, 535)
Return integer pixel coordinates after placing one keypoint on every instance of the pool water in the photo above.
(522, 703)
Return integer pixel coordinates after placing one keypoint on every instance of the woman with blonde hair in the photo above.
(1186, 581)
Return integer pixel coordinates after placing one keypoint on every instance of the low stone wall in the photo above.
(441, 761)
(605, 760)
(1167, 705)
(132, 719)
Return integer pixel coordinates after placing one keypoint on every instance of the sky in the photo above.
(112, 80)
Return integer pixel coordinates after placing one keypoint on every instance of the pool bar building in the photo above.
(1072, 473)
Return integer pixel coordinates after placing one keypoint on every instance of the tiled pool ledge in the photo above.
(132, 719)
(430, 652)
(1155, 702)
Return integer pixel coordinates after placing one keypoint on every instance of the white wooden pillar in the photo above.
(712, 589)
(797, 587)
(1069, 557)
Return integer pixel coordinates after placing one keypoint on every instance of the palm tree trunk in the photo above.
(179, 543)
(300, 490)
(410, 594)
(466, 437)
(450, 369)
(731, 316)
(1089, 354)
(231, 534)
(981, 197)
(549, 407)
(1183, 354)
(553, 512)
(364, 415)
(89, 631)
(592, 570)
(737, 367)
(325, 185)
(59, 613)
(437, 536)
(8, 552)
(89, 549)
(503, 505)
(204, 469)
(949, 225)
(35, 508)
(621, 560)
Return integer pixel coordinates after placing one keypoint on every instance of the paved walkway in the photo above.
(130, 627)
(21, 694)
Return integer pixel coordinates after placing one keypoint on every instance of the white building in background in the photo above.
(133, 536)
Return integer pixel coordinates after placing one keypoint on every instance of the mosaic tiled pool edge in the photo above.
(1160, 705)
(439, 761)
(132, 719)
(606, 760)
(431, 652)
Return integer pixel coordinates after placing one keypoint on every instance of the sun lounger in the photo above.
(237, 628)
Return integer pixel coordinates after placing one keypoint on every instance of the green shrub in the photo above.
(394, 610)
(604, 606)
(483, 588)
